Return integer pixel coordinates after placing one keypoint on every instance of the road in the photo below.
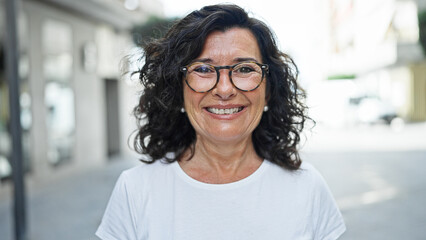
(381, 194)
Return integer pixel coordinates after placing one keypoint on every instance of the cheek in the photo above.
(259, 96)
(187, 96)
(191, 99)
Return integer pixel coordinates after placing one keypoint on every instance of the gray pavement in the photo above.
(69, 208)
(380, 187)
(381, 194)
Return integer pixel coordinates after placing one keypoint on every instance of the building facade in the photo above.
(75, 102)
(376, 46)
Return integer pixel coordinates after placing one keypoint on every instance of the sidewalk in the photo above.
(68, 209)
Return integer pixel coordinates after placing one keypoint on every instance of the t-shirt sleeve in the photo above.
(328, 221)
(118, 221)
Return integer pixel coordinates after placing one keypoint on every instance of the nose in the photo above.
(224, 88)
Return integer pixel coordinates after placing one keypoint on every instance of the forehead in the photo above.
(230, 45)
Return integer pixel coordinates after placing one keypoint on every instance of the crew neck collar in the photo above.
(223, 186)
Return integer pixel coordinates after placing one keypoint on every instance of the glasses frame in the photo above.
(264, 67)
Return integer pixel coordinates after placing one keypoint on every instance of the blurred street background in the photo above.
(362, 64)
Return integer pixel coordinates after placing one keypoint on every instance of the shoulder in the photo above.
(144, 169)
(315, 178)
(306, 181)
(306, 173)
(310, 171)
(145, 174)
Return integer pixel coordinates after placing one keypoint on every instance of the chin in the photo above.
(226, 136)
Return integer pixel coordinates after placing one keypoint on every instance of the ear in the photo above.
(266, 106)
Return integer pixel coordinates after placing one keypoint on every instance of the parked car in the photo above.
(372, 110)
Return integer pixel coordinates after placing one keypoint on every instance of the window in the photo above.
(58, 94)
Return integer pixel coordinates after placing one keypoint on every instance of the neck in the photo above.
(217, 162)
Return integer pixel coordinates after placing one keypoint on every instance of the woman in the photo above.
(220, 116)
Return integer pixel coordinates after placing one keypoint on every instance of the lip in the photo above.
(225, 116)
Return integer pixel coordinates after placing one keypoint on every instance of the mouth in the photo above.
(224, 111)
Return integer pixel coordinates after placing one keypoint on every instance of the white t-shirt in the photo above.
(160, 201)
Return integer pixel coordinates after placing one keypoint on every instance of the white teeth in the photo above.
(222, 111)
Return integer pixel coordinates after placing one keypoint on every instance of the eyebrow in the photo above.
(246, 59)
(237, 60)
(203, 60)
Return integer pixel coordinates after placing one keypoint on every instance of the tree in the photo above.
(422, 30)
(154, 28)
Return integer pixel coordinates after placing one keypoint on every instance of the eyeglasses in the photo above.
(203, 77)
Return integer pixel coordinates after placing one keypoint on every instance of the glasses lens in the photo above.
(247, 76)
(201, 77)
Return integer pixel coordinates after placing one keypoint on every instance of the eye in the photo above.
(245, 68)
(202, 69)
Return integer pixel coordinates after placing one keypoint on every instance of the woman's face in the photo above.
(204, 109)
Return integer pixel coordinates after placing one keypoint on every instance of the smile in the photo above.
(227, 111)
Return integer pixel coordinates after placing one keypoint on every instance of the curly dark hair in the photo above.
(163, 129)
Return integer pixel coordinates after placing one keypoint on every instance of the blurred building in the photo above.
(75, 106)
(376, 64)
